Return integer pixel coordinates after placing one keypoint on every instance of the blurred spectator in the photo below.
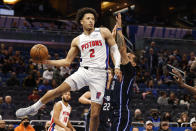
(56, 76)
(152, 61)
(47, 125)
(29, 81)
(10, 50)
(172, 100)
(8, 108)
(167, 117)
(54, 84)
(34, 97)
(183, 118)
(38, 78)
(193, 124)
(2, 47)
(185, 100)
(48, 74)
(149, 90)
(184, 62)
(135, 129)
(154, 116)
(10, 127)
(1, 100)
(164, 126)
(138, 116)
(14, 24)
(162, 99)
(148, 126)
(24, 125)
(192, 58)
(2, 125)
(13, 81)
(7, 66)
(44, 87)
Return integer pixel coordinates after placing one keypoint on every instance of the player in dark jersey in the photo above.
(105, 120)
(121, 91)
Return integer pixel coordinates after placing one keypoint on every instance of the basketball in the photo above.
(39, 52)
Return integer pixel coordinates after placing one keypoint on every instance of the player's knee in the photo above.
(94, 115)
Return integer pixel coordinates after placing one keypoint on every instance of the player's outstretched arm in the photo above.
(179, 80)
(118, 35)
(72, 53)
(85, 98)
(57, 109)
(113, 49)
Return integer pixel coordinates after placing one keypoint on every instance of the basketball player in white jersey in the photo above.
(92, 71)
(60, 115)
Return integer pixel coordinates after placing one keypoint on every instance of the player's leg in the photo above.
(94, 117)
(50, 95)
(73, 82)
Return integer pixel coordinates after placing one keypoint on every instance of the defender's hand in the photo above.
(118, 73)
(119, 21)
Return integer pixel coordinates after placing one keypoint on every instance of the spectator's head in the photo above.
(184, 117)
(2, 125)
(17, 53)
(2, 46)
(10, 127)
(137, 113)
(166, 116)
(153, 44)
(13, 74)
(35, 91)
(1, 100)
(47, 125)
(56, 56)
(193, 124)
(193, 66)
(148, 125)
(172, 96)
(154, 113)
(66, 96)
(135, 129)
(164, 125)
(151, 51)
(186, 97)
(163, 94)
(25, 121)
(192, 56)
(8, 99)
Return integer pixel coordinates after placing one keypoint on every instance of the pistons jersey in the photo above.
(94, 50)
(63, 117)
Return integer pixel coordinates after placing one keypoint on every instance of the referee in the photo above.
(121, 90)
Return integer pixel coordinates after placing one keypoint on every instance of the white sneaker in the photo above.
(25, 112)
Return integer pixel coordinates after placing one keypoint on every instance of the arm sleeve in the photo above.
(116, 54)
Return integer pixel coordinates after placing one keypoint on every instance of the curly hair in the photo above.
(81, 12)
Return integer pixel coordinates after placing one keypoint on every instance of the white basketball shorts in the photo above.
(94, 78)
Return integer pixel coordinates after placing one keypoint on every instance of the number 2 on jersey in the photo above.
(92, 51)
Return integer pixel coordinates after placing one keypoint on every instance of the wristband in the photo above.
(118, 29)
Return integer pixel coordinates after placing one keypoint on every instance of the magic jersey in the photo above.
(94, 50)
(63, 117)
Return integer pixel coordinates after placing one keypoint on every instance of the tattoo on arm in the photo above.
(119, 40)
